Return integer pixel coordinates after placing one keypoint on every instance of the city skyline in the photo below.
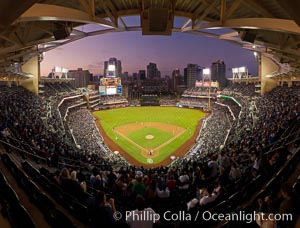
(136, 52)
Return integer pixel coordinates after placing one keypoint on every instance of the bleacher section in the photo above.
(241, 159)
(149, 100)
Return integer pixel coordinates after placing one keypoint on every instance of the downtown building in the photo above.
(81, 77)
(218, 73)
(191, 73)
(152, 71)
(112, 68)
(177, 81)
(142, 75)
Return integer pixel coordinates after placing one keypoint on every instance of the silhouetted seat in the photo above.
(84, 197)
(47, 207)
(13, 168)
(284, 172)
(80, 211)
(220, 208)
(33, 191)
(234, 200)
(31, 171)
(273, 185)
(44, 182)
(61, 220)
(22, 179)
(46, 173)
(19, 217)
(56, 193)
(5, 158)
(260, 195)
(10, 195)
(296, 188)
(68, 201)
(3, 180)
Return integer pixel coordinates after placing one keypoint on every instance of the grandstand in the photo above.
(39, 151)
(56, 169)
(149, 100)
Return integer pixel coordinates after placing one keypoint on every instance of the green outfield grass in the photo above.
(185, 118)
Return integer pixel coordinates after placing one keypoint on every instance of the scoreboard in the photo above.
(110, 86)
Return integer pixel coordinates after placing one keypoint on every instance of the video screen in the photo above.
(111, 91)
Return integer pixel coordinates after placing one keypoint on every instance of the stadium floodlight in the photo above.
(206, 71)
(64, 70)
(235, 70)
(57, 69)
(242, 69)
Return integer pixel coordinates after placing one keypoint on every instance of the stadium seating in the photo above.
(265, 153)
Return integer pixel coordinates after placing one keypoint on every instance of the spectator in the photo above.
(171, 183)
(139, 188)
(214, 168)
(163, 192)
(103, 211)
(151, 192)
(209, 197)
(235, 172)
(71, 186)
(184, 181)
(142, 217)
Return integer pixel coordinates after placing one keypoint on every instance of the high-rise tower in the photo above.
(112, 68)
(218, 72)
(152, 71)
(192, 71)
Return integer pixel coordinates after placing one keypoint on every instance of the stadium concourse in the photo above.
(245, 159)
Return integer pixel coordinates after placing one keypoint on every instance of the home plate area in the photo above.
(147, 151)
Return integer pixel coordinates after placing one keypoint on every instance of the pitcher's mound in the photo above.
(149, 136)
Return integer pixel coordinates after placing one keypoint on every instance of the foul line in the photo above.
(157, 148)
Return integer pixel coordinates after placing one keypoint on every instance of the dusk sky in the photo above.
(136, 51)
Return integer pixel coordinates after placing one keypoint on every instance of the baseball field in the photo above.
(149, 135)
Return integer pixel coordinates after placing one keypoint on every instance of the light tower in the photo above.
(240, 72)
(206, 75)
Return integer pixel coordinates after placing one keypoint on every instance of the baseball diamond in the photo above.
(144, 134)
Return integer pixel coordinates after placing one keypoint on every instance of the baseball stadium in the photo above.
(150, 135)
(196, 149)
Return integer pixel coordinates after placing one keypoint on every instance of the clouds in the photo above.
(96, 67)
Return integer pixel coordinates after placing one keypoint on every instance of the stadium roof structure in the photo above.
(30, 27)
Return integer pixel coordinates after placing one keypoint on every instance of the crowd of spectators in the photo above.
(169, 100)
(234, 107)
(56, 88)
(113, 99)
(200, 91)
(225, 149)
(240, 89)
(71, 101)
(192, 102)
(23, 114)
(82, 124)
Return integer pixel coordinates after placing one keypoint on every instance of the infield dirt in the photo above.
(181, 151)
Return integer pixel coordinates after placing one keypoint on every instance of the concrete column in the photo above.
(267, 67)
(32, 67)
(9, 83)
(279, 83)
